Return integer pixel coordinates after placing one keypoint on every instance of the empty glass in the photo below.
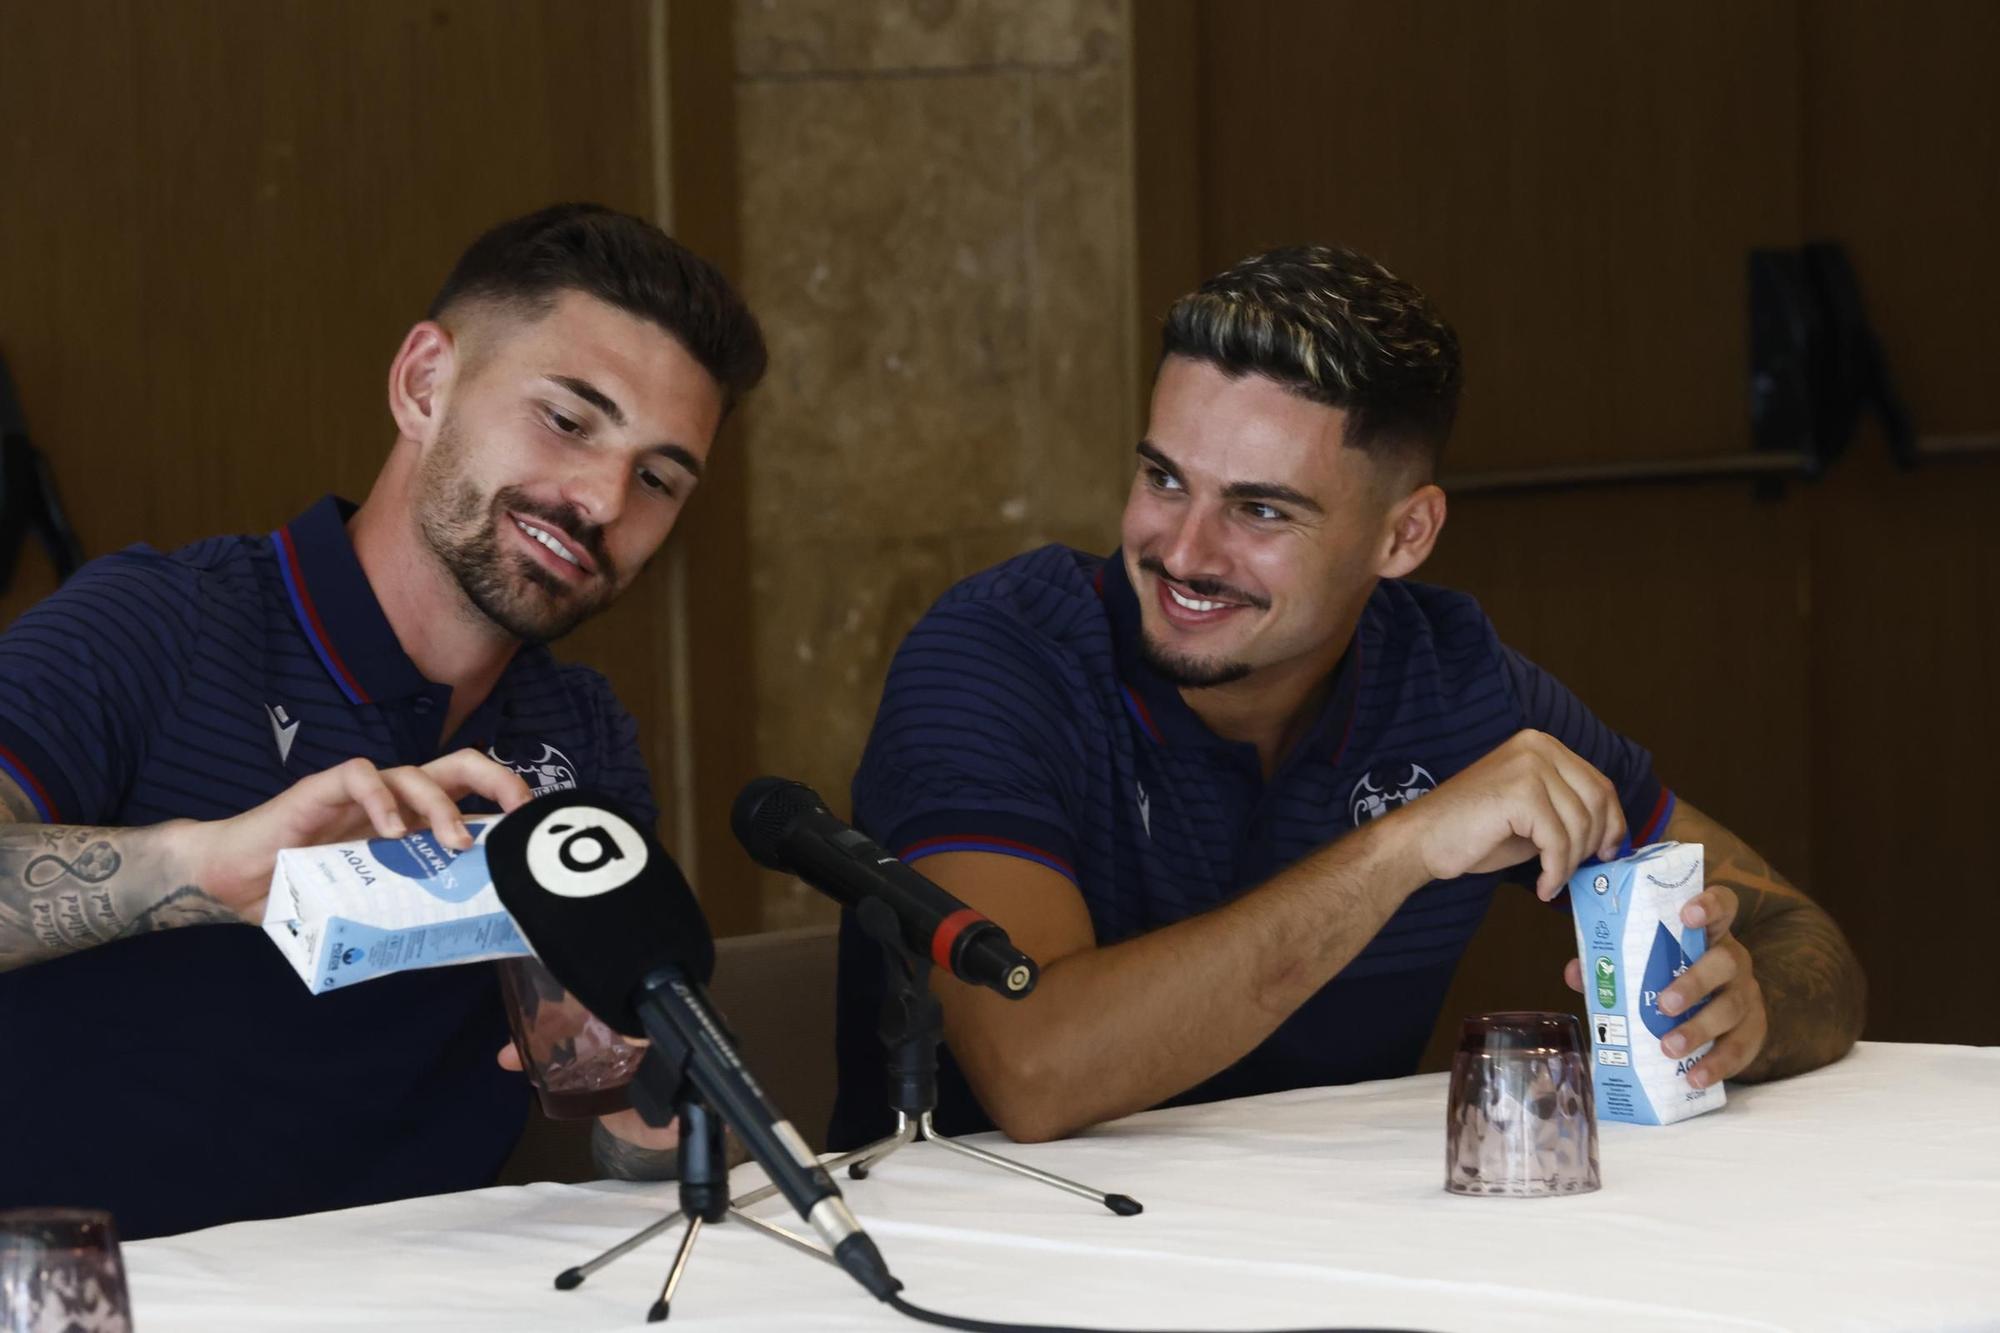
(1521, 1120)
(60, 1272)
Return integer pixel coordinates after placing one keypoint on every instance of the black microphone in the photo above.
(609, 914)
(785, 826)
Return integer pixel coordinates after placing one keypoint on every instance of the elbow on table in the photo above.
(1027, 1101)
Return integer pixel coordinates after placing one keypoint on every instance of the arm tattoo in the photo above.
(1814, 990)
(628, 1161)
(65, 888)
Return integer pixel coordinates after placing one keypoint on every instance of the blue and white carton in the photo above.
(353, 911)
(1632, 943)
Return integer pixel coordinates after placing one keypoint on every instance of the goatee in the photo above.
(1189, 673)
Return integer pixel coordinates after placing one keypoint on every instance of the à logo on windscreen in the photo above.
(580, 851)
(1391, 787)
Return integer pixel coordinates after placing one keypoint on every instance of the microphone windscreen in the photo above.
(598, 899)
(764, 811)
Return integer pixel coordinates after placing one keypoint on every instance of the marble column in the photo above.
(938, 235)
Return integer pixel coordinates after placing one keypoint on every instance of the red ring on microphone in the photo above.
(947, 934)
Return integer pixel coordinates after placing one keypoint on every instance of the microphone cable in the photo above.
(921, 1315)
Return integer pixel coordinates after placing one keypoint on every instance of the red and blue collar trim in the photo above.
(309, 621)
(337, 610)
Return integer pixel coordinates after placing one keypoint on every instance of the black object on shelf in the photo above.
(28, 502)
(1815, 363)
(1816, 369)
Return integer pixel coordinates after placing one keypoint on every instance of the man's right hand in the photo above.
(1532, 796)
(232, 859)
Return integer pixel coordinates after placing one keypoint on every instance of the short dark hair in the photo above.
(1337, 328)
(625, 261)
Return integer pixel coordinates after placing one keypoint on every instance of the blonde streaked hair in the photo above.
(1335, 327)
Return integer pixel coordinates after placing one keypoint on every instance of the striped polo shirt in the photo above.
(187, 1077)
(1019, 718)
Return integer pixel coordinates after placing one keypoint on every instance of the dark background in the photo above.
(218, 218)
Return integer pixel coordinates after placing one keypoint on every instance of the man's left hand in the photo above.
(1734, 1017)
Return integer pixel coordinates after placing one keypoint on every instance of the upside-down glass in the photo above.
(60, 1272)
(1520, 1120)
(578, 1064)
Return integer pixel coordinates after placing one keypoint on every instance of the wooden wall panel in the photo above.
(1575, 183)
(712, 541)
(1903, 137)
(223, 214)
(1902, 157)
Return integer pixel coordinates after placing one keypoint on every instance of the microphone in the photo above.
(609, 914)
(784, 825)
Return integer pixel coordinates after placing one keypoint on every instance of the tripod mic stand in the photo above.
(704, 1192)
(911, 1028)
(661, 1092)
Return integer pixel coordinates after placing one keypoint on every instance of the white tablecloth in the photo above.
(1864, 1196)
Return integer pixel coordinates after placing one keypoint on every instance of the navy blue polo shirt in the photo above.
(1019, 718)
(188, 1077)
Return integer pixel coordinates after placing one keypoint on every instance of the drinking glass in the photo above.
(60, 1272)
(1521, 1119)
(578, 1064)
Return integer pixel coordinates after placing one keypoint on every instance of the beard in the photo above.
(1189, 673)
(462, 526)
(1180, 669)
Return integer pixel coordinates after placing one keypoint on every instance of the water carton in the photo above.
(1632, 943)
(352, 911)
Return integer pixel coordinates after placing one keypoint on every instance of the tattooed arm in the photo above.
(627, 1148)
(621, 1159)
(1785, 992)
(65, 887)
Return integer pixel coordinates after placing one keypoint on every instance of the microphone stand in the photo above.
(704, 1191)
(911, 1028)
(662, 1092)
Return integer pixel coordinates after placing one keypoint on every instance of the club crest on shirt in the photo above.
(551, 772)
(1386, 788)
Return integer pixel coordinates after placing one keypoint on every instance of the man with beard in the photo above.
(169, 722)
(1243, 791)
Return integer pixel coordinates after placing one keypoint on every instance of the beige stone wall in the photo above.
(938, 236)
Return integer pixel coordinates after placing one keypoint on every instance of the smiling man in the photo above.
(168, 722)
(1242, 790)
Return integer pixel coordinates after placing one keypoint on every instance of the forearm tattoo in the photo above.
(1814, 991)
(65, 888)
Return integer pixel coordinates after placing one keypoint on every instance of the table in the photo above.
(1863, 1196)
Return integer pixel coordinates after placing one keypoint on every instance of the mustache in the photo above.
(1214, 589)
(565, 519)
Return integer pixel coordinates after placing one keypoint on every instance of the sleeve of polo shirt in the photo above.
(969, 745)
(1546, 704)
(85, 676)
